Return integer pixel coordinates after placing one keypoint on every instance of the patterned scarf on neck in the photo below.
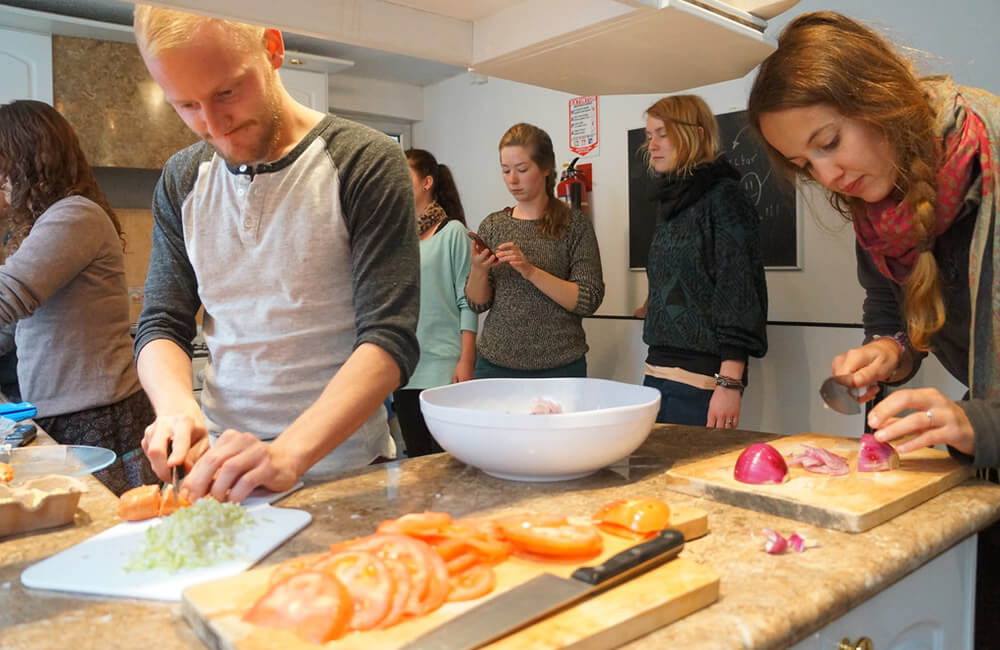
(430, 217)
(968, 128)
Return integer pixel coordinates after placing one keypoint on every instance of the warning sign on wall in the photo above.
(583, 129)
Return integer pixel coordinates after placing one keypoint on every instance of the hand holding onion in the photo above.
(937, 420)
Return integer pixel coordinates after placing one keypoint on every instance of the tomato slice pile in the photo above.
(633, 518)
(410, 567)
(313, 604)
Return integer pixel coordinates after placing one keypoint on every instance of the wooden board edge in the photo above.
(767, 504)
(203, 628)
(649, 622)
(706, 592)
(881, 515)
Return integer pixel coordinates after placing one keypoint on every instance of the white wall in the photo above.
(388, 99)
(463, 123)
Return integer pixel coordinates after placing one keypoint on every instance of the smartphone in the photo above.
(22, 435)
(480, 244)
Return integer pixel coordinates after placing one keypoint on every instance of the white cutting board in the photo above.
(95, 566)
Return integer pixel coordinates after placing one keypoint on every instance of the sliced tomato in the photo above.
(140, 503)
(460, 563)
(560, 540)
(428, 572)
(367, 580)
(528, 519)
(621, 531)
(639, 515)
(312, 604)
(482, 538)
(417, 524)
(401, 575)
(474, 582)
(295, 565)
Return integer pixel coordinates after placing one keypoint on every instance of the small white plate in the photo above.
(65, 460)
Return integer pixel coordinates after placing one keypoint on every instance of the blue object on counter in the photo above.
(18, 411)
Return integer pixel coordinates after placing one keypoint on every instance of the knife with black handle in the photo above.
(546, 595)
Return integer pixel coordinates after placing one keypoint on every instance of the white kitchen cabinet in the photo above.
(306, 87)
(25, 66)
(931, 609)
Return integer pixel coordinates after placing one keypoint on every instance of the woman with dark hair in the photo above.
(914, 165)
(447, 327)
(63, 296)
(707, 307)
(539, 273)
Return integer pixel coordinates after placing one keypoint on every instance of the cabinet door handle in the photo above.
(864, 643)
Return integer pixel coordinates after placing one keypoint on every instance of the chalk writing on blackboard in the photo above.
(774, 198)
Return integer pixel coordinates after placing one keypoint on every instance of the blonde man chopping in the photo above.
(294, 230)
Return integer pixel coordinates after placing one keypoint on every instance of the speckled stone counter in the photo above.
(803, 591)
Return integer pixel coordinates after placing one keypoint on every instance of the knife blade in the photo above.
(839, 395)
(546, 595)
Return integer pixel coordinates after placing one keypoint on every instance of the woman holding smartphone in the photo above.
(539, 274)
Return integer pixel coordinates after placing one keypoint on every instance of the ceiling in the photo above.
(368, 62)
(467, 10)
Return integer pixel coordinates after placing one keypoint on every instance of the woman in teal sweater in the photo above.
(447, 327)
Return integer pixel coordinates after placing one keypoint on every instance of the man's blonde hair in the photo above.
(158, 29)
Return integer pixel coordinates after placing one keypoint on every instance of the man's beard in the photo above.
(271, 131)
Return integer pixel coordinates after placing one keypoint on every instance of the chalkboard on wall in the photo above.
(775, 200)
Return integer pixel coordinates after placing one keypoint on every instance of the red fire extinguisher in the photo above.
(572, 186)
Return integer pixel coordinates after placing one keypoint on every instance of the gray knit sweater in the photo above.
(525, 329)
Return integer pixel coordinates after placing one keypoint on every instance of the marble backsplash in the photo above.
(118, 111)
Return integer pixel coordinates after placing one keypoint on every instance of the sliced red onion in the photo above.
(876, 456)
(797, 542)
(760, 463)
(775, 543)
(820, 461)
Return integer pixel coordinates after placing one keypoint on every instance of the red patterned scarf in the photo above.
(968, 127)
(886, 229)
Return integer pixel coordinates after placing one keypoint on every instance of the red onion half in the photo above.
(876, 456)
(760, 463)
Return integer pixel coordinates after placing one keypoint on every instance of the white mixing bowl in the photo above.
(487, 423)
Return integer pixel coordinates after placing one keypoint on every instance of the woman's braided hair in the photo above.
(824, 58)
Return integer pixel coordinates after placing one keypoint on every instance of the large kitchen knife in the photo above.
(546, 595)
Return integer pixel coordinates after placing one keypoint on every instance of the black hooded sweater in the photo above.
(707, 292)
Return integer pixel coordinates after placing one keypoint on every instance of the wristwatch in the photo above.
(729, 382)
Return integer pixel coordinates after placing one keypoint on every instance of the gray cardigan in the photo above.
(64, 298)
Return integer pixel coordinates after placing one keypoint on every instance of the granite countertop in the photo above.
(803, 591)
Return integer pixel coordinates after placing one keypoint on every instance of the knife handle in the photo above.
(633, 560)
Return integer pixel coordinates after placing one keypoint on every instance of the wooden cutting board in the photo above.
(854, 502)
(608, 620)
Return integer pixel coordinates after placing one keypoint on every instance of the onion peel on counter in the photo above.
(776, 544)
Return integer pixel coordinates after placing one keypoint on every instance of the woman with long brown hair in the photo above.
(63, 295)
(539, 273)
(912, 163)
(446, 329)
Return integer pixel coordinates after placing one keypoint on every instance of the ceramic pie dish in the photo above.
(39, 503)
